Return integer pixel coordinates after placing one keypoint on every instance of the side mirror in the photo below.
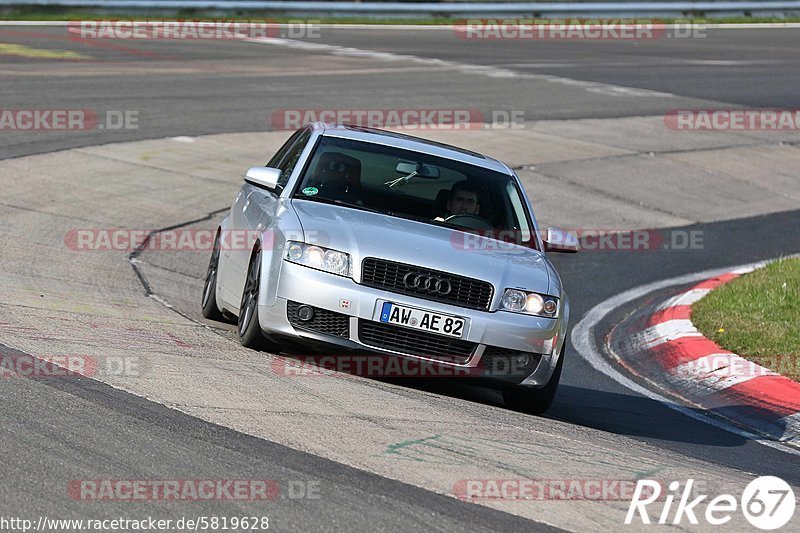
(560, 241)
(263, 176)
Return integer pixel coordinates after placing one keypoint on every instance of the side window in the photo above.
(519, 213)
(289, 157)
(276, 159)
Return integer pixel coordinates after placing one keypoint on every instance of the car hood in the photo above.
(365, 234)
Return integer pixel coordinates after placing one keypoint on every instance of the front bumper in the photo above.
(493, 333)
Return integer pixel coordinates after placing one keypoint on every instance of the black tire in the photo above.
(534, 401)
(248, 326)
(209, 302)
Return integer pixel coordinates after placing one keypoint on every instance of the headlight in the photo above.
(530, 303)
(314, 256)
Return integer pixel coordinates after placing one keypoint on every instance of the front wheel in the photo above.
(248, 324)
(534, 401)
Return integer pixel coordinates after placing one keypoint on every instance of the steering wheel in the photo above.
(470, 221)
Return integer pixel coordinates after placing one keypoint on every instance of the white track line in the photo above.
(583, 340)
(466, 68)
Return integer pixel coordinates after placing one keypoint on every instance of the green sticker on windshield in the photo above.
(310, 191)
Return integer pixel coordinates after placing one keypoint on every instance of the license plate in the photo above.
(412, 317)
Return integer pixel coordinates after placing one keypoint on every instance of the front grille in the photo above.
(388, 275)
(324, 321)
(408, 341)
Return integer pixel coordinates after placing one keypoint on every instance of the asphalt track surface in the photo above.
(192, 88)
(57, 431)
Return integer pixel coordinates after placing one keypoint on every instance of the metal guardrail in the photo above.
(411, 9)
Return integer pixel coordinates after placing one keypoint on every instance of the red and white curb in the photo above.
(660, 344)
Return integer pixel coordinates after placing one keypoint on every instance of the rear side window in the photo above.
(287, 157)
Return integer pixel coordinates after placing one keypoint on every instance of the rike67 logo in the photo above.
(767, 503)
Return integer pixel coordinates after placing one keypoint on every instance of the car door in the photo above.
(260, 206)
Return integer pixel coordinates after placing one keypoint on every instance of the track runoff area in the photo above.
(618, 169)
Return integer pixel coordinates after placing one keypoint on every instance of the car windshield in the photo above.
(414, 185)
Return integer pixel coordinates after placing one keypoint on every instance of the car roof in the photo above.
(408, 142)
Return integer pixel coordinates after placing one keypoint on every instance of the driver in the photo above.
(464, 200)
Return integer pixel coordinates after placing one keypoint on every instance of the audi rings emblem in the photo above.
(432, 284)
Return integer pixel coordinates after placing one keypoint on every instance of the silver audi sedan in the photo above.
(369, 243)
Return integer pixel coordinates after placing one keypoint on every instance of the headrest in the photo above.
(338, 167)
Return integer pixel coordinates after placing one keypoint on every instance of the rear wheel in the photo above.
(534, 401)
(209, 303)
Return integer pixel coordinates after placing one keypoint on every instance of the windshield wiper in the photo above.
(357, 206)
(324, 200)
(399, 182)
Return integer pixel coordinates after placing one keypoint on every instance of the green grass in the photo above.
(55, 13)
(757, 316)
